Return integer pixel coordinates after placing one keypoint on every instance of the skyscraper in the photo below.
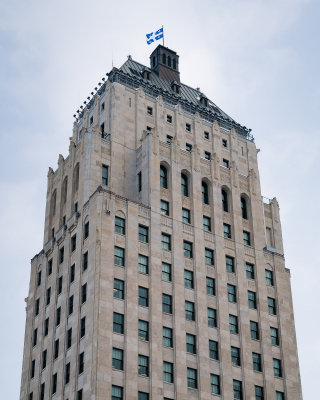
(162, 274)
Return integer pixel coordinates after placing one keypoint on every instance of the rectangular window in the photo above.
(91, 120)
(277, 369)
(58, 316)
(69, 338)
(119, 256)
(274, 334)
(212, 318)
(36, 307)
(67, 374)
(187, 248)
(149, 110)
(225, 163)
(166, 303)
(61, 255)
(54, 383)
(143, 396)
(166, 272)
(49, 267)
(39, 278)
(206, 223)
(254, 330)
(237, 390)
(192, 378)
(235, 356)
(143, 234)
(269, 277)
(56, 349)
(188, 279)
(206, 135)
(85, 261)
(209, 257)
(188, 147)
(72, 272)
(105, 173)
(48, 296)
(246, 238)
(118, 323)
(46, 327)
(188, 127)
(42, 391)
(272, 308)
(165, 241)
(82, 327)
(186, 216)
(117, 393)
(143, 330)
(143, 365)
(117, 359)
(227, 231)
(191, 343)
(213, 350)
(118, 288)
(79, 394)
(70, 305)
(252, 299)
(86, 230)
(139, 181)
(215, 384)
(120, 225)
(32, 369)
(229, 264)
(167, 372)
(143, 296)
(81, 363)
(60, 285)
(207, 155)
(169, 139)
(84, 293)
(169, 118)
(211, 286)
(190, 311)
(279, 395)
(164, 207)
(232, 294)
(250, 271)
(167, 339)
(258, 391)
(44, 359)
(143, 264)
(73, 242)
(233, 324)
(256, 362)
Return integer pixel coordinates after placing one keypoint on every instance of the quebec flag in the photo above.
(151, 37)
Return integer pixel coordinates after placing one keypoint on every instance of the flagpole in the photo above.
(162, 36)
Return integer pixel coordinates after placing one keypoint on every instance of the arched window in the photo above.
(64, 190)
(53, 204)
(163, 177)
(169, 61)
(76, 178)
(244, 210)
(163, 58)
(184, 185)
(205, 193)
(224, 196)
(174, 63)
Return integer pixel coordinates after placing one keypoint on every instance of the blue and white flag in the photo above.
(151, 37)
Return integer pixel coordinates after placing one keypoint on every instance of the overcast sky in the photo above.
(257, 60)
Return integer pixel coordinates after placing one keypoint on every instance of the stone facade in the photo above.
(80, 231)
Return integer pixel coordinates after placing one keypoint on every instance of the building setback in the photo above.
(162, 274)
